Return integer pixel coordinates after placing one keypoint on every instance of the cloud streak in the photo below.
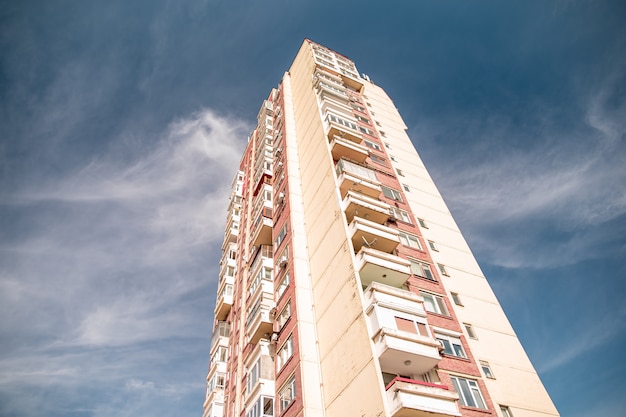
(117, 255)
(570, 182)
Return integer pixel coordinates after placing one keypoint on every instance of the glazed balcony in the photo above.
(220, 336)
(232, 231)
(357, 178)
(343, 148)
(342, 127)
(262, 228)
(263, 258)
(400, 332)
(376, 266)
(259, 321)
(409, 398)
(224, 299)
(372, 235)
(355, 204)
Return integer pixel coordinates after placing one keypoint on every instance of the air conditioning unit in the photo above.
(283, 262)
(280, 199)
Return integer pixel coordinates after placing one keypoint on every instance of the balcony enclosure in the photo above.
(357, 178)
(365, 233)
(220, 336)
(376, 266)
(343, 127)
(259, 320)
(410, 398)
(402, 339)
(224, 299)
(355, 204)
(343, 148)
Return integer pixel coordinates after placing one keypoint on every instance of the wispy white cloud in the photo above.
(117, 256)
(569, 181)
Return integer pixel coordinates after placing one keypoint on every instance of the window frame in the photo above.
(471, 333)
(409, 240)
(290, 386)
(425, 269)
(452, 345)
(392, 193)
(438, 303)
(486, 368)
(401, 215)
(472, 389)
(285, 349)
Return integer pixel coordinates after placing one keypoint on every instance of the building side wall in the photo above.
(517, 384)
(347, 363)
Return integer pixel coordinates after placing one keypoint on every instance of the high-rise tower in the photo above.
(346, 287)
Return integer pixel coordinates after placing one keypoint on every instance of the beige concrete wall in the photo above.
(517, 385)
(350, 378)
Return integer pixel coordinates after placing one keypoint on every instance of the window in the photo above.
(410, 241)
(434, 303)
(285, 352)
(281, 235)
(283, 316)
(422, 269)
(486, 369)
(363, 119)
(443, 270)
(411, 326)
(378, 160)
(406, 188)
(432, 245)
(341, 121)
(254, 374)
(422, 223)
(391, 193)
(506, 412)
(456, 299)
(282, 285)
(470, 331)
(372, 145)
(393, 158)
(366, 130)
(469, 392)
(263, 407)
(387, 145)
(451, 345)
(403, 215)
(221, 355)
(287, 394)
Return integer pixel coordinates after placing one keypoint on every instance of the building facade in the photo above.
(346, 287)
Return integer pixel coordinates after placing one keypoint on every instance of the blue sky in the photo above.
(122, 124)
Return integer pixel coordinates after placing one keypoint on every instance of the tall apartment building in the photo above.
(346, 287)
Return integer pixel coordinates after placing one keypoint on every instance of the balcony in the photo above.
(372, 235)
(360, 205)
(220, 336)
(357, 178)
(377, 266)
(262, 227)
(338, 126)
(232, 231)
(408, 398)
(406, 353)
(259, 321)
(343, 148)
(402, 340)
(224, 298)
